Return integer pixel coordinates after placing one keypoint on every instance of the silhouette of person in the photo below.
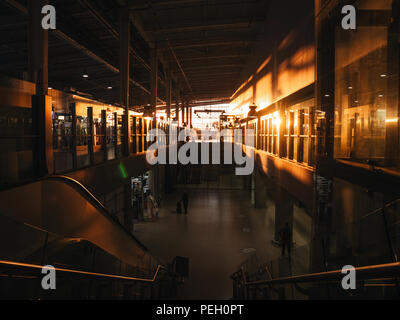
(185, 200)
(286, 236)
(178, 207)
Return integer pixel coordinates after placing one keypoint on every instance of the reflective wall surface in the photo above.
(366, 94)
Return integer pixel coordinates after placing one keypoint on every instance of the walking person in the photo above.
(185, 200)
(286, 237)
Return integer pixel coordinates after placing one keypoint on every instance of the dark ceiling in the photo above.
(205, 44)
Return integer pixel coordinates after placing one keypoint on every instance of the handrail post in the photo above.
(326, 266)
(73, 136)
(245, 288)
(90, 134)
(104, 132)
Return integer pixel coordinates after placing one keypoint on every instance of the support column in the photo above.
(128, 212)
(178, 98)
(72, 108)
(115, 134)
(124, 67)
(183, 111)
(41, 102)
(38, 70)
(104, 133)
(187, 113)
(91, 135)
(283, 211)
(153, 81)
(169, 94)
(191, 116)
(260, 191)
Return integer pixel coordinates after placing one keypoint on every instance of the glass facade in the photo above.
(366, 88)
(84, 133)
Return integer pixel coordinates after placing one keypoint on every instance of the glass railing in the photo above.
(370, 241)
(16, 160)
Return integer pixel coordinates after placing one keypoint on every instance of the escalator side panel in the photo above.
(59, 208)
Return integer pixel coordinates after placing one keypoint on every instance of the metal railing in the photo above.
(28, 266)
(321, 285)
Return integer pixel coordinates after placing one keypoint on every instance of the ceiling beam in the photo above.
(228, 56)
(215, 43)
(144, 4)
(212, 26)
(213, 66)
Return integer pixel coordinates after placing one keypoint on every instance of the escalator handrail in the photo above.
(385, 206)
(20, 265)
(363, 273)
(94, 201)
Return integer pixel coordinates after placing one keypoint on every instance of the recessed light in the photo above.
(383, 75)
(350, 88)
(381, 96)
(327, 95)
(109, 88)
(85, 76)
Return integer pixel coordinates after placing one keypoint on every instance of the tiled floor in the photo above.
(220, 224)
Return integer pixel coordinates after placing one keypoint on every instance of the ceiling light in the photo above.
(109, 88)
(147, 113)
(253, 111)
(383, 75)
(85, 75)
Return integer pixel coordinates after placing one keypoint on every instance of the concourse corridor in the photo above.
(219, 227)
(281, 127)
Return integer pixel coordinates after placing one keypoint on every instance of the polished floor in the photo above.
(215, 235)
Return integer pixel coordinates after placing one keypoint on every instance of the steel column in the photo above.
(124, 67)
(169, 94)
(153, 81)
(38, 47)
(41, 103)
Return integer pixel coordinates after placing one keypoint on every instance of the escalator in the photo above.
(57, 221)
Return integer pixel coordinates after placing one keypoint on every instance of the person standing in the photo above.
(179, 207)
(185, 200)
(286, 236)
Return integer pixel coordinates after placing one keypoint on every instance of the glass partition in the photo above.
(111, 134)
(82, 136)
(99, 131)
(63, 152)
(373, 239)
(16, 143)
(133, 130)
